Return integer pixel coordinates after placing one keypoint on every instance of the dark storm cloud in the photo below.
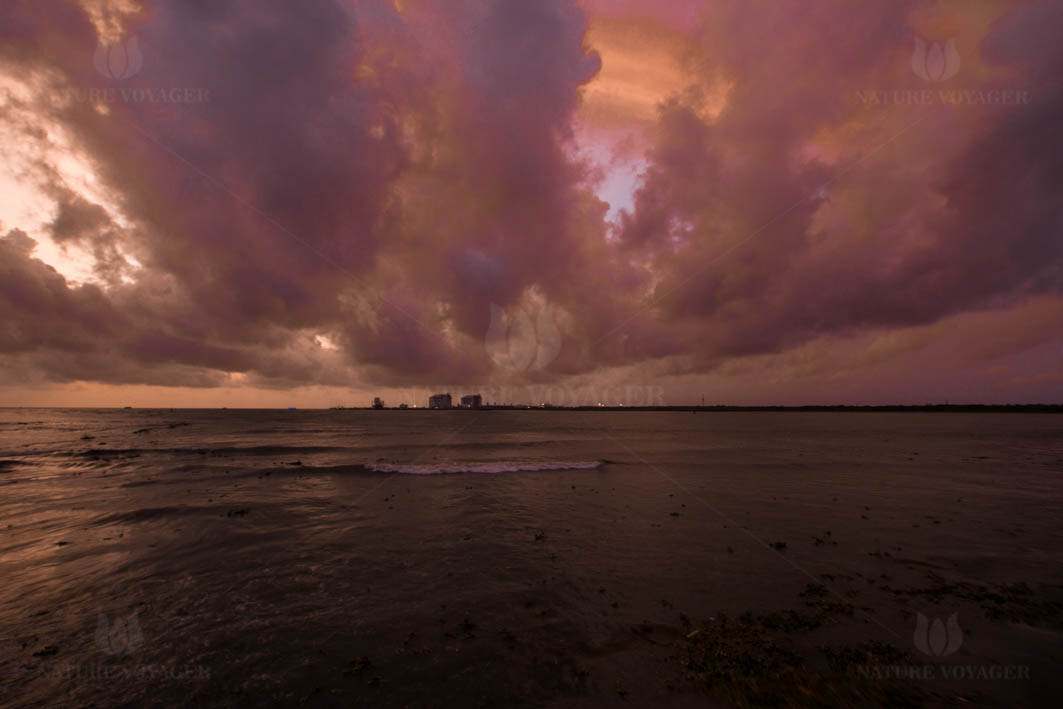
(40, 311)
(769, 249)
(384, 178)
(261, 212)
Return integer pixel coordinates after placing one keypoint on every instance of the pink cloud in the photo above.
(385, 177)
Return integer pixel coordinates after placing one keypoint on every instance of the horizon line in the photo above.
(582, 407)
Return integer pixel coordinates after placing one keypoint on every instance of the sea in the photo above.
(158, 557)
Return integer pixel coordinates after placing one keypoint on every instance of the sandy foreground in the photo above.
(896, 562)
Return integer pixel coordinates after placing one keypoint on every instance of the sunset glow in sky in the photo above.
(268, 203)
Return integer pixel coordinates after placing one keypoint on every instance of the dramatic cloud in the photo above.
(256, 193)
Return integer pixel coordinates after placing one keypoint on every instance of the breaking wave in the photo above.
(493, 467)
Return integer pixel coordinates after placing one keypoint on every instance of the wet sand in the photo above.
(749, 559)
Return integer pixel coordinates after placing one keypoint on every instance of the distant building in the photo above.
(403, 406)
(472, 401)
(440, 401)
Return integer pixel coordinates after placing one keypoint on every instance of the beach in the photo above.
(529, 558)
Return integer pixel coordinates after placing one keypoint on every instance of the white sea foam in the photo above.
(493, 467)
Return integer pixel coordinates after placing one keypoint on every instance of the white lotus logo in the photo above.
(938, 639)
(515, 343)
(119, 637)
(934, 62)
(119, 61)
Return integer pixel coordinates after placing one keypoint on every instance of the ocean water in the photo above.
(521, 558)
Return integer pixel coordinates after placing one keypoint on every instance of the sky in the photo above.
(267, 203)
